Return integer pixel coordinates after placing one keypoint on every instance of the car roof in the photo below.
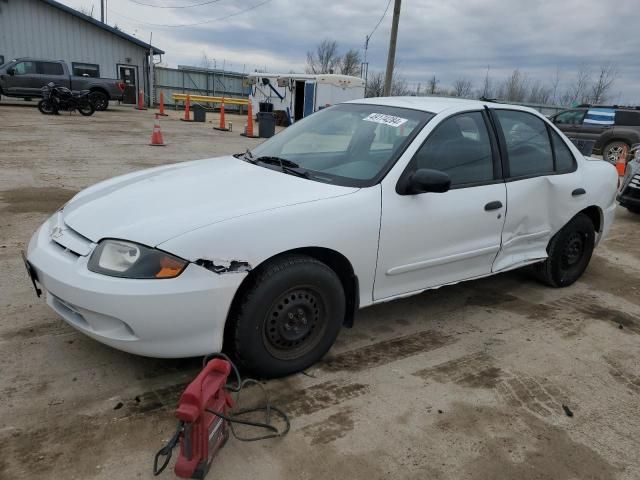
(437, 104)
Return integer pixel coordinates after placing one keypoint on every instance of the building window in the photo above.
(1, 59)
(86, 69)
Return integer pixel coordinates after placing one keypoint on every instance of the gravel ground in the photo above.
(464, 382)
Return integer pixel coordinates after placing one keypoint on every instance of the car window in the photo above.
(459, 146)
(50, 68)
(571, 117)
(347, 144)
(627, 118)
(25, 68)
(565, 162)
(528, 146)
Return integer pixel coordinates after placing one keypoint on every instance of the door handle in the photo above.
(578, 191)
(493, 205)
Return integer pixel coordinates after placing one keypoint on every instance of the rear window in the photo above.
(627, 118)
(50, 68)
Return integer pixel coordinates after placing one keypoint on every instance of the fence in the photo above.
(199, 81)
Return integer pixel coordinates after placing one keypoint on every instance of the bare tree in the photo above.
(432, 85)
(540, 93)
(555, 83)
(514, 88)
(462, 87)
(325, 59)
(350, 63)
(578, 92)
(600, 89)
(487, 91)
(375, 86)
(207, 62)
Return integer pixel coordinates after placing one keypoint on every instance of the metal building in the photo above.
(51, 30)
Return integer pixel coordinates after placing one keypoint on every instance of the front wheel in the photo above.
(46, 107)
(569, 253)
(86, 108)
(288, 317)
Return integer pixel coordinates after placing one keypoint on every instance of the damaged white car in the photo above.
(270, 252)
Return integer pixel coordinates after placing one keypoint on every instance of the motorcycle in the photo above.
(56, 99)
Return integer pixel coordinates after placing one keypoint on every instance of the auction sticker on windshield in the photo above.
(390, 120)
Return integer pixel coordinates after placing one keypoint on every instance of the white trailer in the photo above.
(299, 95)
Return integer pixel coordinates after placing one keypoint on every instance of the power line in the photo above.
(239, 12)
(174, 6)
(379, 21)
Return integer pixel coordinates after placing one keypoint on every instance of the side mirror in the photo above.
(425, 180)
(11, 71)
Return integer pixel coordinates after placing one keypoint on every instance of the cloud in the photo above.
(449, 39)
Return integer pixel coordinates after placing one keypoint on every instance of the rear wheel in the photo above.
(288, 318)
(614, 150)
(569, 253)
(99, 100)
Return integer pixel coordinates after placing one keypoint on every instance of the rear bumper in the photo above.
(171, 318)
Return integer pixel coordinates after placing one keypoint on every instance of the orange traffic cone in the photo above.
(156, 136)
(162, 114)
(249, 128)
(621, 162)
(140, 105)
(222, 127)
(187, 110)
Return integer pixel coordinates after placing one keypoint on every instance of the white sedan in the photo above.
(270, 252)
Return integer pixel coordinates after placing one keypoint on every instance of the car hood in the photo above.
(152, 206)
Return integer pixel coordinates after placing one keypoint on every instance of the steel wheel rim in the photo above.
(295, 323)
(573, 250)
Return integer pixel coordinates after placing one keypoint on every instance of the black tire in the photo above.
(100, 101)
(569, 253)
(46, 107)
(612, 151)
(86, 108)
(288, 318)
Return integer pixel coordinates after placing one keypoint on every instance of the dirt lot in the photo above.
(465, 382)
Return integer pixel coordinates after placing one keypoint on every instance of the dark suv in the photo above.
(614, 129)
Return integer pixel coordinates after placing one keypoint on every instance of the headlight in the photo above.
(118, 258)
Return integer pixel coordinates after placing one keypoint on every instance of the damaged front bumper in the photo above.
(179, 317)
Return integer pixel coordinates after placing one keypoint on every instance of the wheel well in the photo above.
(595, 214)
(101, 90)
(335, 260)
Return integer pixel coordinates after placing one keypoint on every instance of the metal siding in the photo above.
(31, 28)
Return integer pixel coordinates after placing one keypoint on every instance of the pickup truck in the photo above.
(25, 77)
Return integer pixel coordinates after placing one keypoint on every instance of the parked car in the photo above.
(25, 77)
(614, 129)
(629, 196)
(269, 253)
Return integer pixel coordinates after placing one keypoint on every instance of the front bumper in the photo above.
(172, 318)
(629, 195)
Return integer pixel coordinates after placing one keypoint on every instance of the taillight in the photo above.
(120, 86)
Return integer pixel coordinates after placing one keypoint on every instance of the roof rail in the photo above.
(622, 107)
(490, 100)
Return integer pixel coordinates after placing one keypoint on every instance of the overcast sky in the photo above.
(448, 38)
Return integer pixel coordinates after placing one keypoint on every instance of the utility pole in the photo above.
(391, 57)
(102, 11)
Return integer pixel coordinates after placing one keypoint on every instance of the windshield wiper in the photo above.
(287, 166)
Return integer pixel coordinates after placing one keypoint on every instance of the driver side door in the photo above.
(431, 239)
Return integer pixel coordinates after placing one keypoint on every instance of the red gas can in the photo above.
(204, 433)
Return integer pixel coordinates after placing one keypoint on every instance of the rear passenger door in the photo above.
(51, 72)
(543, 186)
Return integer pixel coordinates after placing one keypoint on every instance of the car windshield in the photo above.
(347, 144)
